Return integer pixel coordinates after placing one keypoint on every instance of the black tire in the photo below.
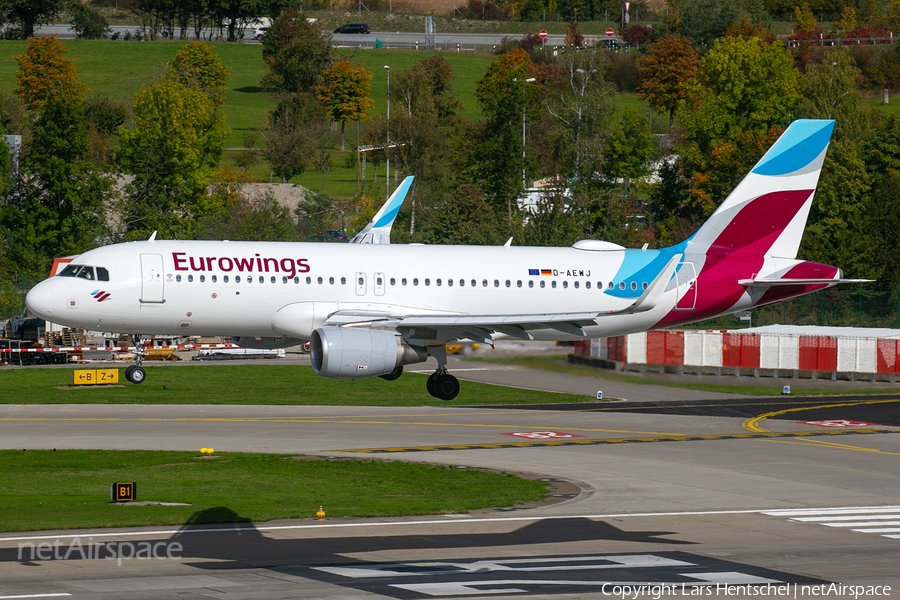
(396, 373)
(446, 387)
(136, 376)
(128, 371)
(429, 384)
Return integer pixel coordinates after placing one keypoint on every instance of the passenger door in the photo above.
(152, 281)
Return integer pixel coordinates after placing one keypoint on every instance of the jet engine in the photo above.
(265, 343)
(352, 353)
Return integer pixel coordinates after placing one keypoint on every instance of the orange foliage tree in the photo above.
(44, 73)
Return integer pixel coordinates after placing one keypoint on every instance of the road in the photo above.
(680, 491)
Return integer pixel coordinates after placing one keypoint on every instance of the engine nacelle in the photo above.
(352, 353)
(265, 343)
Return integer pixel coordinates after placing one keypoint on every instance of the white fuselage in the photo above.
(240, 288)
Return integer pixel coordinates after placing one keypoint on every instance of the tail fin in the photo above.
(378, 231)
(766, 213)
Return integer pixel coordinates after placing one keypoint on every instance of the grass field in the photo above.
(68, 489)
(252, 384)
(559, 364)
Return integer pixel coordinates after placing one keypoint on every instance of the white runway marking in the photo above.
(872, 519)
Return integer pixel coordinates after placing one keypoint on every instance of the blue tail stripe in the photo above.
(796, 148)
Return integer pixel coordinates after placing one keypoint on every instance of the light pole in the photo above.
(387, 175)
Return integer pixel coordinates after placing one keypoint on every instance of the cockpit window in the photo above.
(69, 271)
(86, 273)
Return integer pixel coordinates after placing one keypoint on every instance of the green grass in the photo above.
(45, 489)
(252, 384)
(120, 69)
(559, 364)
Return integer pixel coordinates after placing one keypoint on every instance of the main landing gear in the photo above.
(135, 373)
(441, 384)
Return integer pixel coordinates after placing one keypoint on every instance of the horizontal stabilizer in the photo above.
(774, 282)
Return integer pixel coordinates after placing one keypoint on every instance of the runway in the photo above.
(764, 491)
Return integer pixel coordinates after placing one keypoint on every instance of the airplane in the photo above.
(368, 311)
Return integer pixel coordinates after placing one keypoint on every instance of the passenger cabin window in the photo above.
(621, 285)
(576, 285)
(415, 281)
(393, 281)
(587, 285)
(542, 283)
(438, 282)
(427, 281)
(202, 278)
(644, 285)
(190, 279)
(331, 281)
(213, 278)
(474, 283)
(531, 283)
(237, 278)
(403, 281)
(178, 278)
(308, 280)
(225, 278)
(553, 284)
(343, 281)
(263, 279)
(565, 284)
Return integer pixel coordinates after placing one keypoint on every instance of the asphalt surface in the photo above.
(687, 490)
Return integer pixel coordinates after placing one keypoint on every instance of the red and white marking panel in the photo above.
(543, 435)
(838, 423)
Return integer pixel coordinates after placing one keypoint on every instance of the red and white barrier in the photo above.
(120, 348)
(860, 351)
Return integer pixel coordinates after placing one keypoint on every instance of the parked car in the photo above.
(353, 28)
(260, 32)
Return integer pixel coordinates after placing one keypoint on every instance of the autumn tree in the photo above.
(178, 137)
(296, 54)
(198, 65)
(345, 93)
(665, 68)
(44, 73)
(806, 20)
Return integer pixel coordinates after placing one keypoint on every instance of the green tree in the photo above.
(25, 15)
(829, 91)
(741, 85)
(630, 150)
(505, 96)
(60, 207)
(198, 65)
(669, 63)
(345, 93)
(290, 134)
(296, 53)
(44, 73)
(178, 136)
(87, 22)
(581, 107)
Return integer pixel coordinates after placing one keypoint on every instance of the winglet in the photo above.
(378, 231)
(654, 292)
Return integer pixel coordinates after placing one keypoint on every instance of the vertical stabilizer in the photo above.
(766, 213)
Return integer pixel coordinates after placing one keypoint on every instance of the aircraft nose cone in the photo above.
(40, 300)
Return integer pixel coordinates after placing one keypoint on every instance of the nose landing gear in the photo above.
(135, 373)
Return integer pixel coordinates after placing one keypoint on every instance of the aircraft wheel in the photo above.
(128, 371)
(446, 387)
(136, 376)
(397, 372)
(429, 384)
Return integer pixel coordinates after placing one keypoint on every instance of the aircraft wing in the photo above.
(479, 328)
(378, 231)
